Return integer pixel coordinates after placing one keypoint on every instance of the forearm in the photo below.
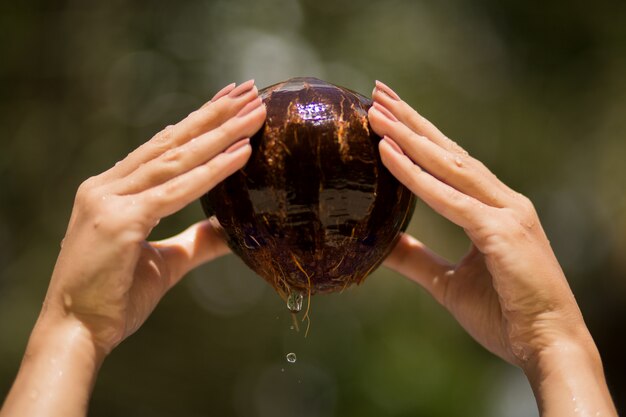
(57, 373)
(568, 380)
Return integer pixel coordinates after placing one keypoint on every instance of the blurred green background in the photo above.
(535, 90)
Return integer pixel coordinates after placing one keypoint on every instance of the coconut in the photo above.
(314, 210)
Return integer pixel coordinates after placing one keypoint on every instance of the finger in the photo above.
(417, 262)
(457, 207)
(410, 117)
(457, 170)
(173, 195)
(196, 123)
(221, 93)
(194, 153)
(196, 245)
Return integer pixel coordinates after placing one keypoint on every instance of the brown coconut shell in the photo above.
(314, 210)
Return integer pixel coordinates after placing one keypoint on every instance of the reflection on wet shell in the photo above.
(314, 209)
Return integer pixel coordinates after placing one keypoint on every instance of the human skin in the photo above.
(108, 278)
(509, 291)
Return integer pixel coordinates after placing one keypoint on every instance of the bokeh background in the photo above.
(535, 90)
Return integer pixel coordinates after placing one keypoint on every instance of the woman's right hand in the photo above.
(508, 292)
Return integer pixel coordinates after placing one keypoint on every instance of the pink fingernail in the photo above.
(242, 88)
(223, 92)
(250, 107)
(385, 112)
(387, 90)
(237, 145)
(393, 145)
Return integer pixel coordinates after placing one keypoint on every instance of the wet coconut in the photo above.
(314, 210)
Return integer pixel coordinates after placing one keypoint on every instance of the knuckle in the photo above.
(228, 130)
(211, 170)
(411, 113)
(415, 177)
(459, 201)
(526, 210)
(163, 140)
(205, 115)
(168, 191)
(456, 148)
(480, 166)
(172, 156)
(496, 232)
(415, 137)
(88, 184)
(112, 226)
(166, 135)
(170, 163)
(458, 166)
(123, 222)
(88, 192)
(509, 226)
(525, 203)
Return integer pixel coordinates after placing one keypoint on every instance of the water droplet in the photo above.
(291, 327)
(294, 301)
(34, 394)
(67, 303)
(458, 161)
(62, 242)
(291, 357)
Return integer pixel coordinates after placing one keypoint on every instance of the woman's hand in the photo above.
(509, 291)
(108, 277)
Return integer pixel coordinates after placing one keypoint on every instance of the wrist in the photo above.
(49, 334)
(567, 378)
(57, 373)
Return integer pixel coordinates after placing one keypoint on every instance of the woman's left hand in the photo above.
(108, 277)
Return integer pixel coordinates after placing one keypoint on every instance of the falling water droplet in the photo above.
(294, 302)
(291, 357)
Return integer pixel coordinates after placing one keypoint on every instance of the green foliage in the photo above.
(536, 92)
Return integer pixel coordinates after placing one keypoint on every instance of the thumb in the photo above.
(200, 243)
(416, 261)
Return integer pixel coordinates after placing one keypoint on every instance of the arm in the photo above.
(567, 379)
(508, 292)
(108, 278)
(57, 373)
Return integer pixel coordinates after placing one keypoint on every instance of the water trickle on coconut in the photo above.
(294, 301)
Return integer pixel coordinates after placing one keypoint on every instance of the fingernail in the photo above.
(237, 145)
(223, 92)
(393, 145)
(250, 107)
(385, 112)
(242, 88)
(380, 86)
